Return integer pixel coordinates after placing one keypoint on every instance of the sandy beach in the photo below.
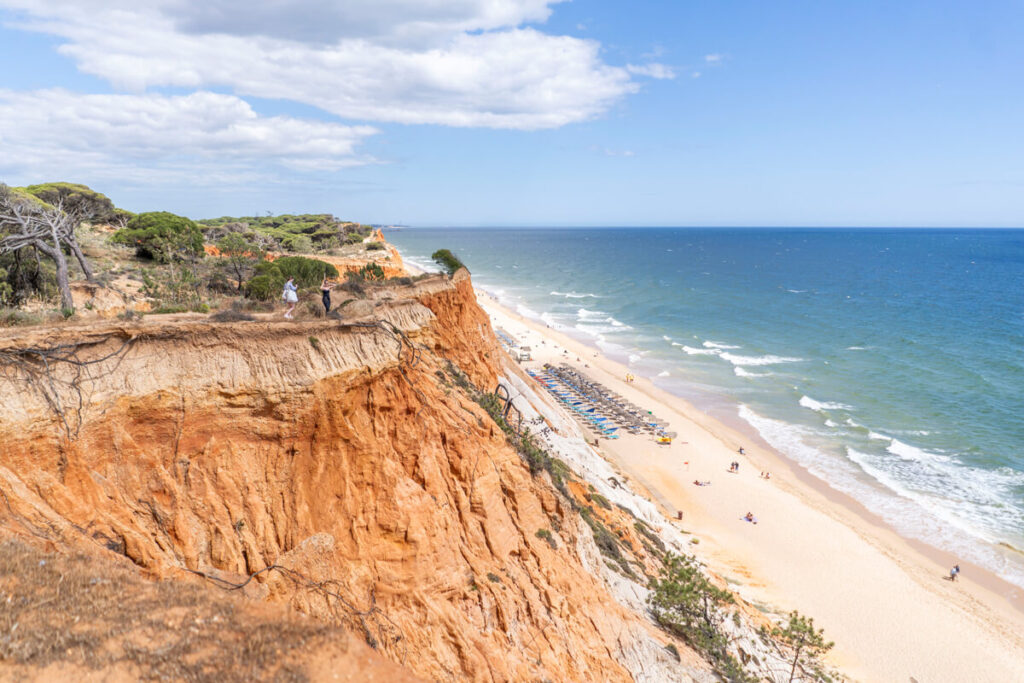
(885, 601)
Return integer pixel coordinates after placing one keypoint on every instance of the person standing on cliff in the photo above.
(325, 291)
(290, 296)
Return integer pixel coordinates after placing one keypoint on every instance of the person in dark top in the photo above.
(325, 291)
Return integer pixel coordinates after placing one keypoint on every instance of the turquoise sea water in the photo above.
(889, 363)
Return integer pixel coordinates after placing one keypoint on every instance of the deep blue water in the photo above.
(890, 363)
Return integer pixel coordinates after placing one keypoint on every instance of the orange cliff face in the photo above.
(336, 452)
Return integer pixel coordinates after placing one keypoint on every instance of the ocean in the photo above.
(887, 362)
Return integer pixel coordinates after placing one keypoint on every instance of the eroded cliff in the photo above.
(343, 461)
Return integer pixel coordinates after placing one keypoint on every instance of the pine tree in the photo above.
(803, 638)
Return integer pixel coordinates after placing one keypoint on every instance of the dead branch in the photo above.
(57, 373)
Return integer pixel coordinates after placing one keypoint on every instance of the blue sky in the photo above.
(525, 112)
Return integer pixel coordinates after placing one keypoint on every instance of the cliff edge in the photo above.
(340, 467)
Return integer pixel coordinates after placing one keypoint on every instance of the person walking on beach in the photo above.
(290, 296)
(954, 572)
(325, 291)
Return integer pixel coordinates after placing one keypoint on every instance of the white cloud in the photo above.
(327, 21)
(56, 133)
(653, 70)
(713, 59)
(449, 62)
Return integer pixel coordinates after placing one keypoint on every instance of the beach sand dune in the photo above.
(884, 600)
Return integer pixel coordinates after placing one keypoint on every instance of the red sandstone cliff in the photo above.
(333, 450)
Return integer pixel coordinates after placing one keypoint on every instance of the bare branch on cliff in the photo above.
(57, 373)
(412, 357)
(325, 589)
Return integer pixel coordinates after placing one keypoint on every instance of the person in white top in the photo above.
(290, 296)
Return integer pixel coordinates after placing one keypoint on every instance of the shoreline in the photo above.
(878, 626)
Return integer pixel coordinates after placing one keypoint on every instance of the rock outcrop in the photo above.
(340, 461)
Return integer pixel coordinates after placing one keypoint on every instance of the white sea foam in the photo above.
(913, 453)
(831, 423)
(550, 320)
(960, 509)
(740, 372)
(527, 312)
(666, 337)
(635, 358)
(426, 265)
(718, 345)
(698, 352)
(878, 437)
(596, 331)
(822, 406)
(856, 348)
(584, 314)
(796, 291)
(574, 295)
(663, 373)
(759, 360)
(963, 502)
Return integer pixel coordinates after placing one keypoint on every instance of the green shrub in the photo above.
(493, 578)
(606, 541)
(270, 276)
(298, 243)
(263, 287)
(232, 315)
(371, 272)
(164, 309)
(162, 236)
(647, 533)
(308, 272)
(447, 260)
(545, 535)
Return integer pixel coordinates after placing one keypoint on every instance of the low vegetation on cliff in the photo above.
(305, 233)
(108, 259)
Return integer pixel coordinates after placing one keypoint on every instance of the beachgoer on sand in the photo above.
(325, 291)
(954, 572)
(290, 296)
(741, 451)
